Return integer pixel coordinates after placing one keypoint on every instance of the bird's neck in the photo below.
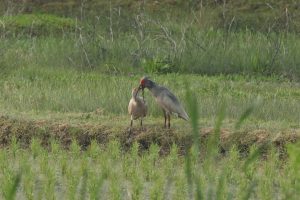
(134, 96)
(151, 85)
(154, 90)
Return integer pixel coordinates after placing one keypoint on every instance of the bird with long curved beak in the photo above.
(165, 99)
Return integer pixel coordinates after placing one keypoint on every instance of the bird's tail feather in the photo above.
(184, 116)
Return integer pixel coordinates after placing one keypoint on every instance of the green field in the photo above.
(108, 173)
(64, 135)
(155, 46)
(67, 69)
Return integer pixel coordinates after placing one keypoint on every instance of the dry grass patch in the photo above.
(84, 133)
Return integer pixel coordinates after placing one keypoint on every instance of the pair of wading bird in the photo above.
(137, 107)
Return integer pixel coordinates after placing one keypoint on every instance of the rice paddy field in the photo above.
(64, 135)
(66, 74)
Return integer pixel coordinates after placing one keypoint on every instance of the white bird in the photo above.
(165, 99)
(137, 107)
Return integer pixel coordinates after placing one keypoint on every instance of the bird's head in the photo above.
(145, 82)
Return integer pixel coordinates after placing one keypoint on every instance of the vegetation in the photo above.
(112, 174)
(35, 25)
(118, 41)
(203, 52)
(65, 149)
(272, 15)
(41, 89)
(67, 70)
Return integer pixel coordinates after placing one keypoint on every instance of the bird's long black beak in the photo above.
(142, 88)
(137, 92)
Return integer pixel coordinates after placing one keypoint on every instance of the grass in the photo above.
(274, 15)
(63, 104)
(154, 46)
(35, 25)
(64, 135)
(67, 105)
(112, 173)
(41, 90)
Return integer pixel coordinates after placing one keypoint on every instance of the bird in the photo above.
(165, 99)
(137, 107)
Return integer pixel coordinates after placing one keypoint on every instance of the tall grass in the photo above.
(143, 43)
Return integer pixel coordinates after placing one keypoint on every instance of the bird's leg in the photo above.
(165, 115)
(169, 119)
(142, 128)
(131, 122)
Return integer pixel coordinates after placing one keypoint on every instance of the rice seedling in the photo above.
(119, 173)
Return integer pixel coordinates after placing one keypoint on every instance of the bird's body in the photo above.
(165, 99)
(137, 107)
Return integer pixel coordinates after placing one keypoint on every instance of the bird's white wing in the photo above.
(170, 103)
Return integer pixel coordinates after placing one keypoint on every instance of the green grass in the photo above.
(274, 15)
(72, 105)
(42, 90)
(111, 174)
(35, 25)
(154, 46)
(63, 103)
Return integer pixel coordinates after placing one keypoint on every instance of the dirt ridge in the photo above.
(45, 131)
